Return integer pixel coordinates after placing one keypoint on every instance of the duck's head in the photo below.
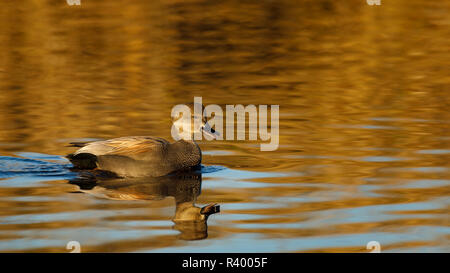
(189, 123)
(187, 211)
(191, 221)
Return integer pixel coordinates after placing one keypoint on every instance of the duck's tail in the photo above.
(77, 144)
(83, 161)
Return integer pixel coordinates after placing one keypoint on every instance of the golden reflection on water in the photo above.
(364, 120)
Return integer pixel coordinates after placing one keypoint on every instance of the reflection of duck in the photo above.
(143, 156)
(190, 220)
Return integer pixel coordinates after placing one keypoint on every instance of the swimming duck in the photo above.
(144, 156)
(189, 219)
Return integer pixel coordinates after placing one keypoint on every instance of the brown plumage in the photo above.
(189, 219)
(138, 156)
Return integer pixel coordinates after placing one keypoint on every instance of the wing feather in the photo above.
(126, 146)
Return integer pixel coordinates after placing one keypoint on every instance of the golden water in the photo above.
(364, 121)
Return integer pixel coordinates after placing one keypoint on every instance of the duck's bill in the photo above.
(210, 132)
(210, 209)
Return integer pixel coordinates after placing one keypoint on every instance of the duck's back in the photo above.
(125, 156)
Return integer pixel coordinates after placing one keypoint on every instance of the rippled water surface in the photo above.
(364, 124)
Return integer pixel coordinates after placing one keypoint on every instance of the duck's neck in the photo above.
(184, 154)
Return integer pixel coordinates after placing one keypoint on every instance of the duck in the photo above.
(145, 156)
(189, 219)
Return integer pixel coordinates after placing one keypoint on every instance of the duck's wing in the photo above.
(112, 194)
(134, 148)
(124, 146)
